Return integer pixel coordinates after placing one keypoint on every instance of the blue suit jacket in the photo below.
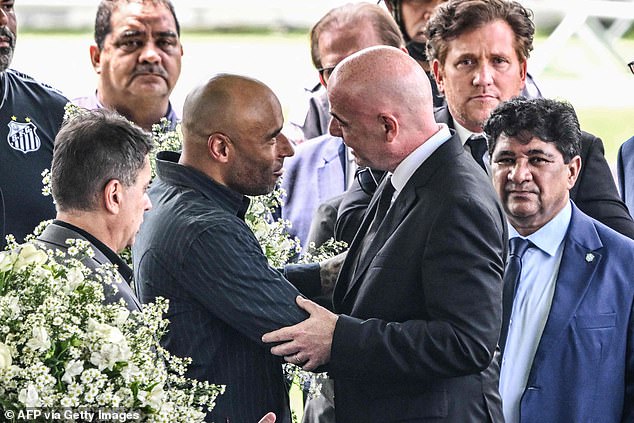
(583, 369)
(625, 169)
(313, 175)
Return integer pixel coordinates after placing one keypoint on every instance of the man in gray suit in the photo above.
(100, 174)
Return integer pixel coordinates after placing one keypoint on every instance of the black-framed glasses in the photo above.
(631, 66)
(325, 73)
(369, 179)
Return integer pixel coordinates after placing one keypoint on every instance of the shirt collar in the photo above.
(464, 133)
(170, 115)
(170, 171)
(408, 166)
(124, 270)
(551, 235)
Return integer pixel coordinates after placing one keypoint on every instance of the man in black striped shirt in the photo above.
(196, 250)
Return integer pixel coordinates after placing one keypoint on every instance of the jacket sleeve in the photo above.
(595, 192)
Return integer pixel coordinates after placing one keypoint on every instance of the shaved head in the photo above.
(225, 103)
(388, 92)
(232, 132)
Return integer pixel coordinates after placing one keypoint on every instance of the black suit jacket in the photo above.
(421, 314)
(595, 192)
(54, 237)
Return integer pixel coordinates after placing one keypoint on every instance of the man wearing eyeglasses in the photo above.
(324, 164)
(625, 167)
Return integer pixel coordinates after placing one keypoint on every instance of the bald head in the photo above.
(225, 104)
(384, 90)
(232, 132)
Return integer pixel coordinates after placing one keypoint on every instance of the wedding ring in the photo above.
(297, 359)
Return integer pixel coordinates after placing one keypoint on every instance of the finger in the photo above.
(280, 335)
(307, 304)
(288, 348)
(295, 359)
(310, 365)
(268, 418)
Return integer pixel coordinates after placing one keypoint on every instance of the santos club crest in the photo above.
(23, 136)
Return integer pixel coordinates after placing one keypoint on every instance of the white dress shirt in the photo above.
(411, 163)
(531, 307)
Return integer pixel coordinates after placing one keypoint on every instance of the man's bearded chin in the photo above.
(6, 55)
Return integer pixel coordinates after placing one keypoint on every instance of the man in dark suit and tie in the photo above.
(99, 177)
(419, 295)
(478, 51)
(568, 334)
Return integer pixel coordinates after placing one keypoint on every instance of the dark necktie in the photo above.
(517, 247)
(478, 146)
(385, 200)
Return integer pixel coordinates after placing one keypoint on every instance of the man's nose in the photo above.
(284, 146)
(150, 53)
(4, 19)
(521, 172)
(483, 76)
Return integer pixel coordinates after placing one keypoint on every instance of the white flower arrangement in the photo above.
(62, 348)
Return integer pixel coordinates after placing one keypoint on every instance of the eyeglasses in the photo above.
(631, 66)
(369, 179)
(324, 74)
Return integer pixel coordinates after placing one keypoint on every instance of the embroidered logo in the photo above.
(23, 135)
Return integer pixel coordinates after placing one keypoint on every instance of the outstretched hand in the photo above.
(306, 344)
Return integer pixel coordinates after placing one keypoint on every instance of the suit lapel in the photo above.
(344, 280)
(395, 216)
(581, 258)
(57, 235)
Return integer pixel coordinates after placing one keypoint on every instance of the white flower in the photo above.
(73, 368)
(130, 372)
(13, 305)
(29, 397)
(121, 316)
(75, 278)
(30, 254)
(154, 398)
(6, 261)
(5, 357)
(40, 340)
(110, 354)
(106, 332)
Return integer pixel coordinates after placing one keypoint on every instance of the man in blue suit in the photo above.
(322, 168)
(569, 350)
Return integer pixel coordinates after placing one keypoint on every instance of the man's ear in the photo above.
(390, 126)
(218, 147)
(438, 76)
(113, 196)
(95, 58)
(574, 167)
(523, 72)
